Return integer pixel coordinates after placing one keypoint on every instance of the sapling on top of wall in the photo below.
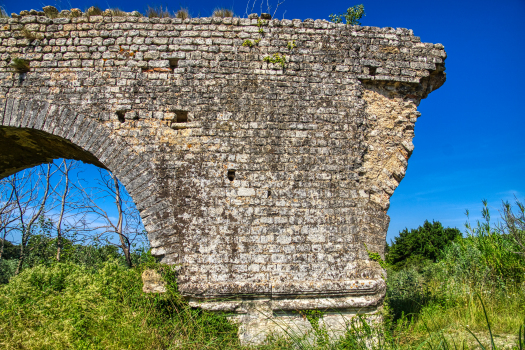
(352, 16)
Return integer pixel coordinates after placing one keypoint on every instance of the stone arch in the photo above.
(35, 132)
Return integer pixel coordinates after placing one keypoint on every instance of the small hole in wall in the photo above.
(231, 175)
(269, 193)
(371, 70)
(174, 63)
(182, 116)
(121, 115)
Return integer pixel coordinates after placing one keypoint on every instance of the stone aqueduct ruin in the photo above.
(265, 183)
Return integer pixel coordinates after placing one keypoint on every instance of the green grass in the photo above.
(66, 306)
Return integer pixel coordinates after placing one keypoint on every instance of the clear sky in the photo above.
(470, 139)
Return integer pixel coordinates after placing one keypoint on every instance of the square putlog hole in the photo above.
(121, 115)
(182, 116)
(174, 63)
(231, 174)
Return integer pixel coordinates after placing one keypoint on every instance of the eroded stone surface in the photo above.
(259, 181)
(152, 282)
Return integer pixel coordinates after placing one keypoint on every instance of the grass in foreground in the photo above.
(65, 306)
(68, 306)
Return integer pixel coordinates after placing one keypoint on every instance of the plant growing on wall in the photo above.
(29, 34)
(19, 65)
(248, 43)
(276, 58)
(352, 15)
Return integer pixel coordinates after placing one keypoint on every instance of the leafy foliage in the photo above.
(417, 245)
(352, 16)
(248, 43)
(276, 58)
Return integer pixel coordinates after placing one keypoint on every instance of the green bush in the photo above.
(414, 247)
(7, 269)
(352, 16)
(11, 251)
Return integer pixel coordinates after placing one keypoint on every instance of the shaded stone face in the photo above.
(258, 179)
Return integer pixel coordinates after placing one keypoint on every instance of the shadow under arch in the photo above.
(36, 132)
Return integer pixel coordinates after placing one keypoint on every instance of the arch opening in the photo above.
(67, 210)
(22, 148)
(97, 210)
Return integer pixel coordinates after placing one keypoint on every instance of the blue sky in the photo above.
(470, 141)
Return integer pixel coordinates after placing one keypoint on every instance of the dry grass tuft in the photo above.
(116, 12)
(94, 11)
(50, 12)
(183, 13)
(76, 13)
(222, 12)
(29, 34)
(19, 65)
(158, 12)
(3, 14)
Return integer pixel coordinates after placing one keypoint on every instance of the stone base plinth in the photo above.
(261, 318)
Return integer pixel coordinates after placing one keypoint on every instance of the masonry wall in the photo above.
(255, 177)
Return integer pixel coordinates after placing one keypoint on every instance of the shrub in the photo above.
(407, 292)
(352, 15)
(7, 269)
(68, 306)
(417, 245)
(11, 251)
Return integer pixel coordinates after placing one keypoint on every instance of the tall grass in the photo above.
(68, 306)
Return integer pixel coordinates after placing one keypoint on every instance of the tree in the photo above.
(352, 16)
(424, 243)
(47, 211)
(127, 225)
(30, 194)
